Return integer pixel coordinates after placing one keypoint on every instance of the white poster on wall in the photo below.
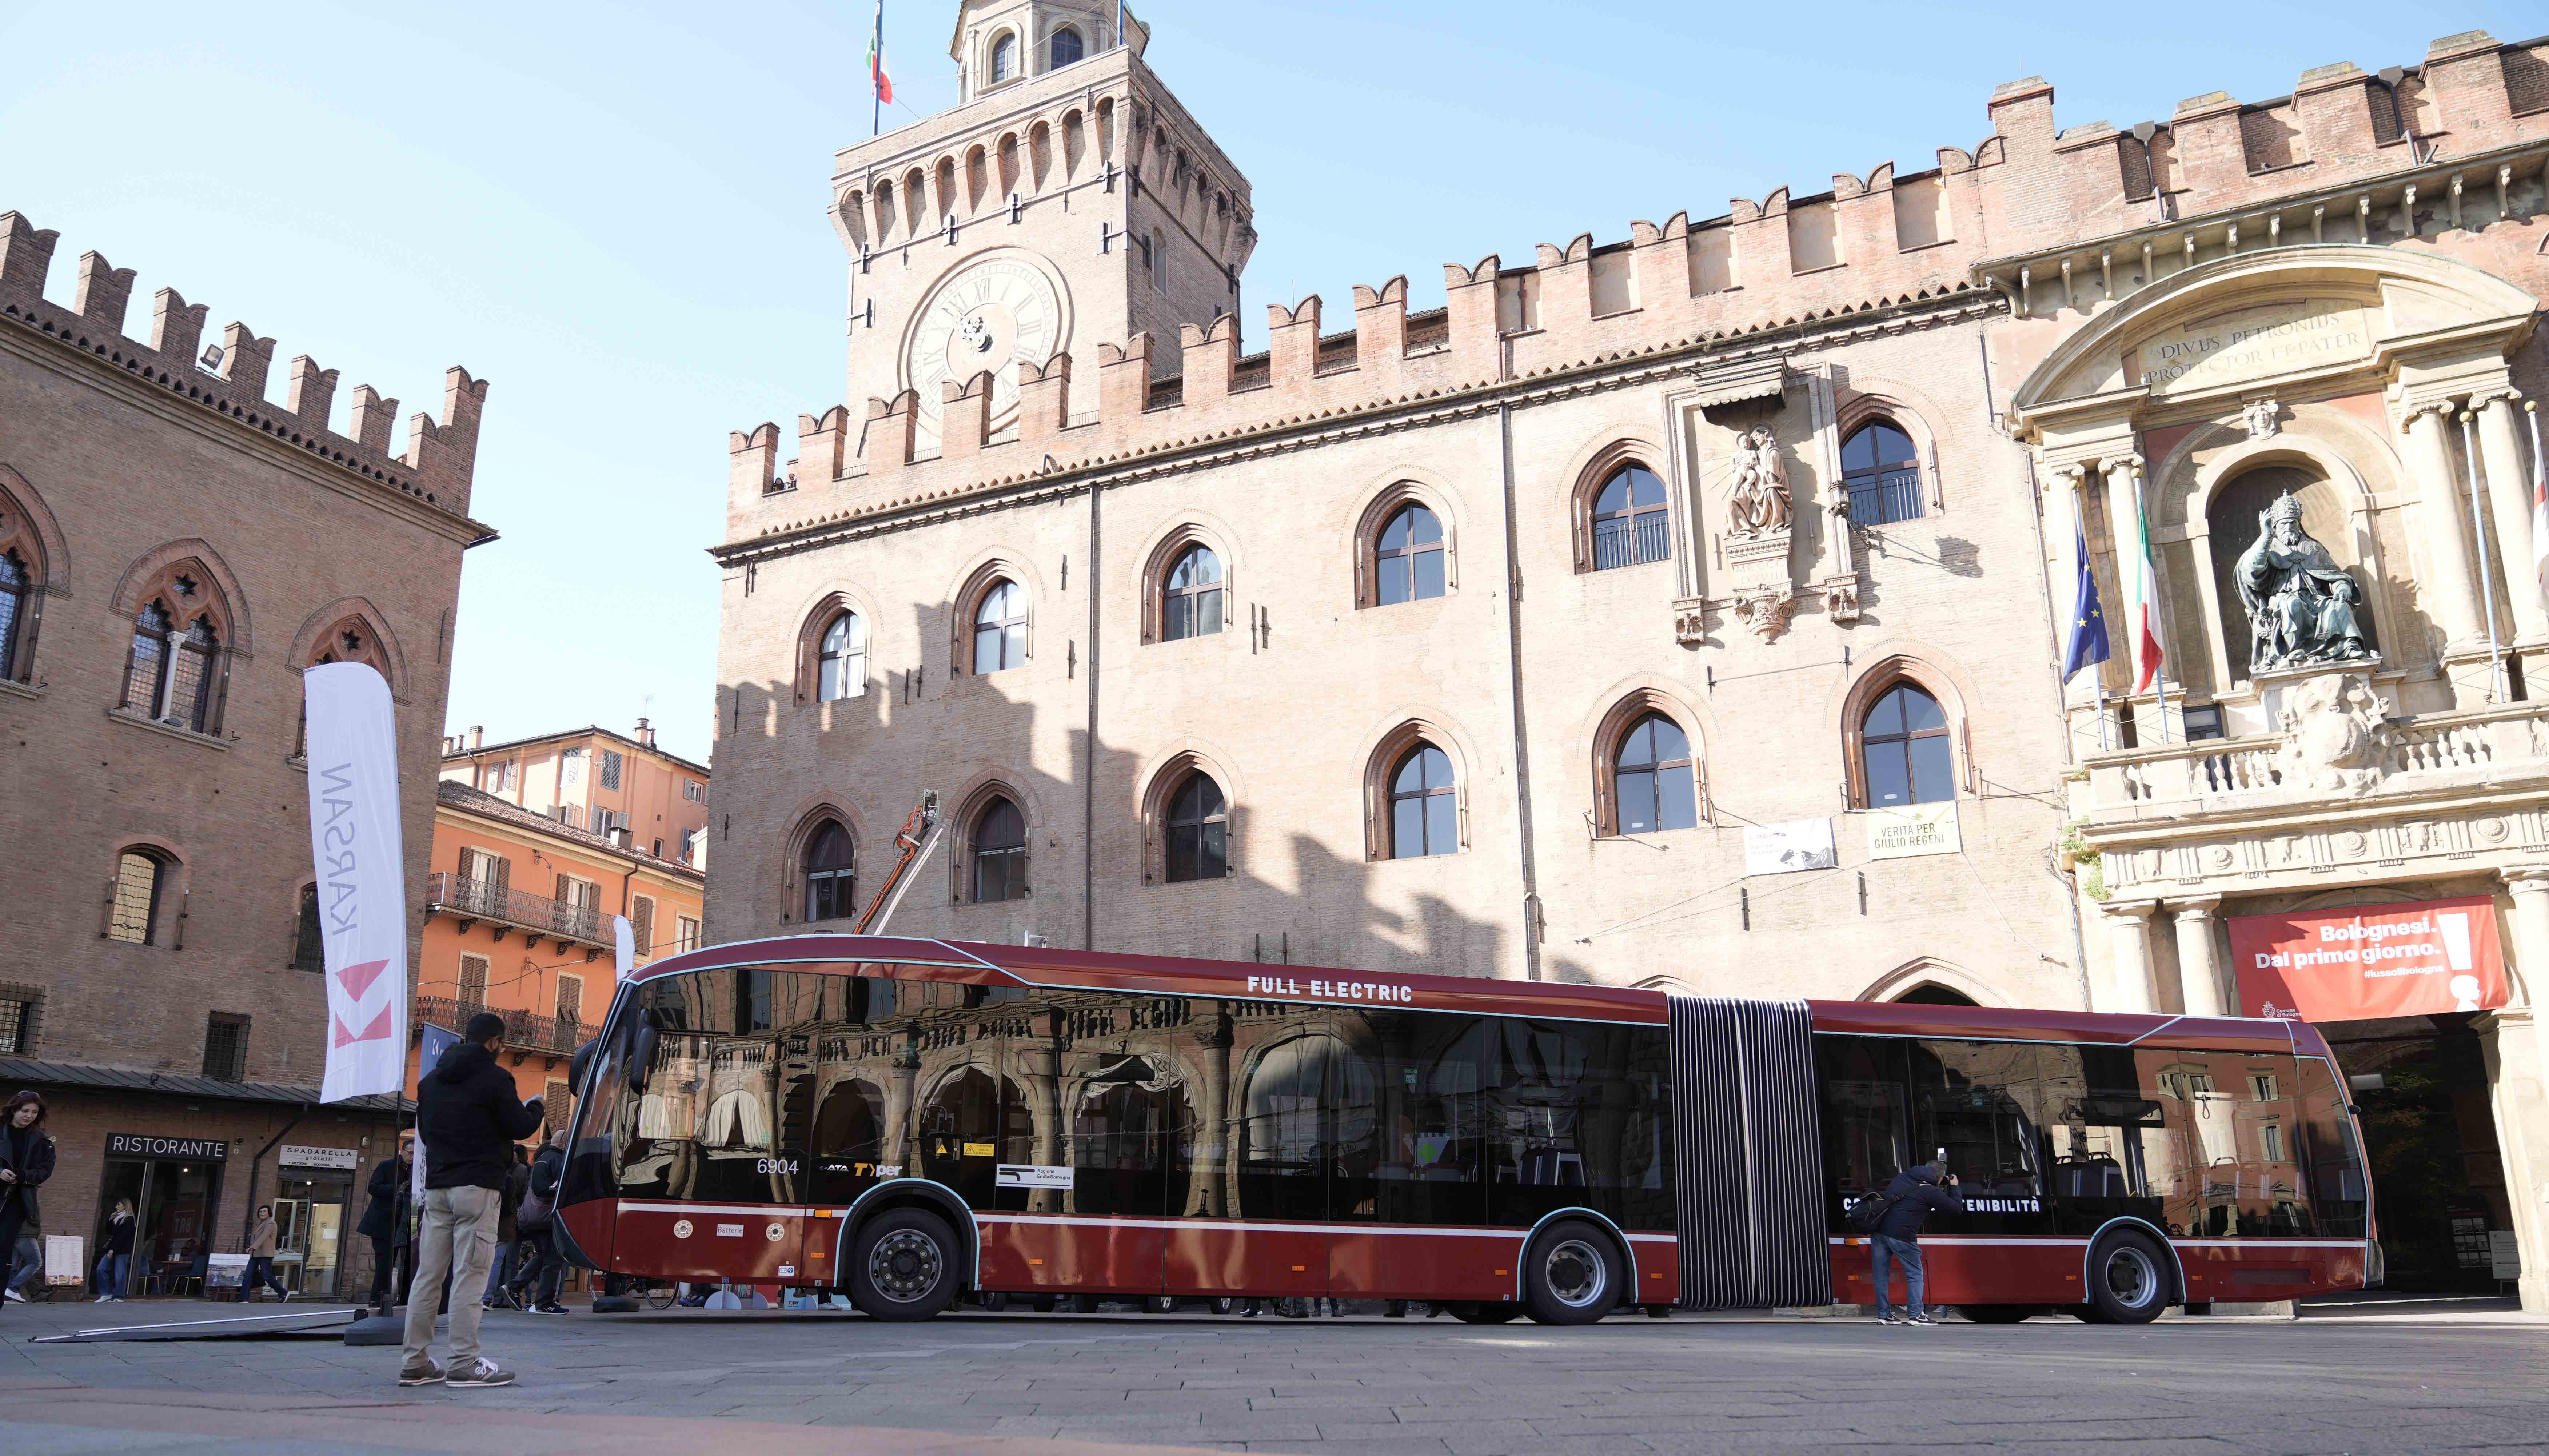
(1785, 849)
(355, 850)
(1910, 830)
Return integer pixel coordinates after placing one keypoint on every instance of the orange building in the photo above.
(538, 845)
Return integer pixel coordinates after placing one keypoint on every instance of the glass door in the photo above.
(169, 1250)
(124, 1180)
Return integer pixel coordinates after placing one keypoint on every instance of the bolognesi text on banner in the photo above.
(2419, 958)
(355, 850)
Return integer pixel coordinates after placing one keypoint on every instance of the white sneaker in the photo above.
(13, 1294)
(106, 1299)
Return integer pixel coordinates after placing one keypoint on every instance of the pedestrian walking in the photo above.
(1910, 1198)
(26, 1161)
(517, 1180)
(538, 1221)
(116, 1258)
(260, 1259)
(385, 1215)
(468, 1117)
(30, 1255)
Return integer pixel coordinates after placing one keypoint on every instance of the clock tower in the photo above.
(1067, 200)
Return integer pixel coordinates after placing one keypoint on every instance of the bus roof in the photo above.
(1158, 975)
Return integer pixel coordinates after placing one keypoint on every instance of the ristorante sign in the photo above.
(144, 1145)
(2380, 960)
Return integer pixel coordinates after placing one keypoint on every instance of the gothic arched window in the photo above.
(1192, 605)
(841, 664)
(1408, 558)
(1199, 831)
(828, 874)
(16, 585)
(1067, 47)
(1001, 627)
(1424, 804)
(1904, 749)
(1000, 854)
(1882, 473)
(1628, 520)
(1656, 786)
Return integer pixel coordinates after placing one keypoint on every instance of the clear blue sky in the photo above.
(617, 215)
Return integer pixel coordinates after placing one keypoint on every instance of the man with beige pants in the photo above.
(468, 1119)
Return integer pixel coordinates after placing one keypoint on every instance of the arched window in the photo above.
(1004, 59)
(828, 868)
(841, 663)
(1882, 473)
(309, 947)
(1192, 605)
(1424, 808)
(1199, 831)
(1000, 854)
(145, 666)
(15, 584)
(1067, 47)
(1408, 560)
(134, 916)
(189, 702)
(1001, 627)
(1628, 520)
(1904, 749)
(1657, 786)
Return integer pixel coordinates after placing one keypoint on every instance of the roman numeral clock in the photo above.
(993, 312)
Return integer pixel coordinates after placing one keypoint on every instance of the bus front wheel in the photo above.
(905, 1265)
(2128, 1281)
(1571, 1275)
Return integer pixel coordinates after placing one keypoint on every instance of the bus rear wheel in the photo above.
(903, 1265)
(1483, 1311)
(2128, 1281)
(1571, 1276)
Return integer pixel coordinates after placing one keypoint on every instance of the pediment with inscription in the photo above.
(2249, 343)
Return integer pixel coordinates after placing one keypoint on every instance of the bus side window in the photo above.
(2330, 1162)
(1865, 1119)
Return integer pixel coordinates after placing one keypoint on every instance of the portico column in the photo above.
(2508, 501)
(2519, 1083)
(2199, 964)
(2453, 591)
(2131, 923)
(2124, 532)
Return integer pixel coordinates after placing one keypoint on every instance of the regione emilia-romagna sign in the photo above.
(362, 889)
(2375, 960)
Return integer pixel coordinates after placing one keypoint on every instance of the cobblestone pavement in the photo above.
(2403, 1379)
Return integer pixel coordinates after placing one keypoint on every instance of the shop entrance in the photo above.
(310, 1225)
(173, 1198)
(2419, 1086)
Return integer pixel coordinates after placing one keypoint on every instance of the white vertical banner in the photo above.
(355, 850)
(623, 943)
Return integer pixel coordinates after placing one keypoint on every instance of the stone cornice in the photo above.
(1615, 372)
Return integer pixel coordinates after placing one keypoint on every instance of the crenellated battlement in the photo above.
(2044, 220)
(440, 458)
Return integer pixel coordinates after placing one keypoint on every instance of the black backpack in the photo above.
(1868, 1213)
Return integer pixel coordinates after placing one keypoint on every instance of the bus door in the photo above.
(1254, 1175)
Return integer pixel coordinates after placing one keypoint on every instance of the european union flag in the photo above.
(2088, 623)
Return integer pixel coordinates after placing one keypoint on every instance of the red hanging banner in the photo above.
(2375, 960)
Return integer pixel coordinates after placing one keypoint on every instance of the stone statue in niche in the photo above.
(2301, 606)
(1757, 502)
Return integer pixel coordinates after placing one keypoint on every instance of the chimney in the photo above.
(646, 734)
(477, 737)
(619, 838)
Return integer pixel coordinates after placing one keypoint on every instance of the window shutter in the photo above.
(499, 871)
(641, 919)
(564, 897)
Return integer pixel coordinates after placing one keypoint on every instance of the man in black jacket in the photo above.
(385, 1215)
(1909, 1200)
(467, 1118)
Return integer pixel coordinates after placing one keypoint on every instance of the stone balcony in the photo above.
(2343, 792)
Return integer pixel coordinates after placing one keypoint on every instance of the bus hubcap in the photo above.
(904, 1266)
(1575, 1273)
(2130, 1278)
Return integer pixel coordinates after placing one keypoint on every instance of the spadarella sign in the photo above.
(2380, 960)
(1320, 990)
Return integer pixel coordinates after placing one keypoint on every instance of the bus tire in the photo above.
(1483, 1311)
(1571, 1274)
(994, 1303)
(1159, 1305)
(2129, 1280)
(905, 1265)
(1998, 1313)
(1040, 1303)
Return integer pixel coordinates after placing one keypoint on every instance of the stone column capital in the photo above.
(2526, 879)
(2127, 464)
(2495, 394)
(2192, 907)
(2074, 475)
(2409, 414)
(2132, 910)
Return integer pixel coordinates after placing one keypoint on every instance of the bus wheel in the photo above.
(1571, 1276)
(1483, 1311)
(994, 1303)
(1042, 1304)
(2127, 1279)
(905, 1265)
(1997, 1313)
(1159, 1305)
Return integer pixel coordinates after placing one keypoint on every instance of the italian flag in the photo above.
(2144, 594)
(882, 83)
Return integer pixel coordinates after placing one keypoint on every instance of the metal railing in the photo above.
(522, 1029)
(487, 901)
(2505, 740)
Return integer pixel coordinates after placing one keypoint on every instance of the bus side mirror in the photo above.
(641, 1056)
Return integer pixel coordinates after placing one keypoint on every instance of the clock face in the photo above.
(992, 315)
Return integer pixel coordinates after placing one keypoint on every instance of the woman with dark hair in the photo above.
(26, 1161)
(113, 1264)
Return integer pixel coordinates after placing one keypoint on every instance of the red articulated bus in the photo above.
(916, 1121)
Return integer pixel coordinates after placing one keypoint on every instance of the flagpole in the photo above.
(875, 58)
